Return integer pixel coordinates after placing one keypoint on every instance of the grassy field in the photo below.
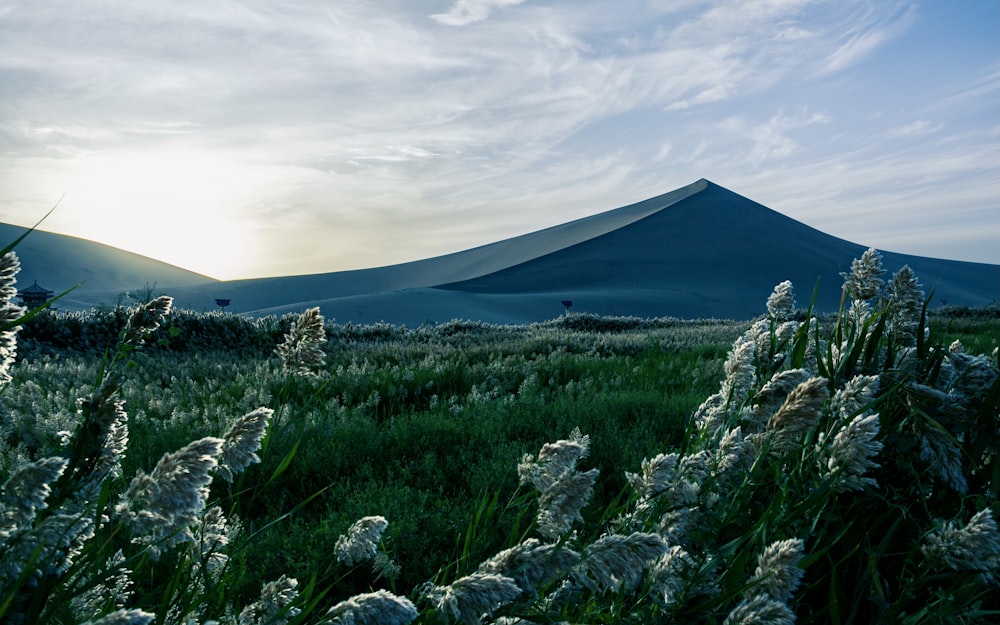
(686, 495)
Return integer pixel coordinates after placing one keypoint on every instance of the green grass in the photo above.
(455, 413)
(426, 427)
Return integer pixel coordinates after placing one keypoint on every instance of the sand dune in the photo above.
(699, 251)
(58, 262)
(717, 253)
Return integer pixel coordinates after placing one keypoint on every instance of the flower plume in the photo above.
(467, 599)
(9, 313)
(531, 563)
(301, 352)
(615, 561)
(146, 318)
(851, 453)
(377, 608)
(906, 298)
(163, 505)
(241, 442)
(974, 547)
(798, 415)
(781, 303)
(778, 574)
(865, 278)
(361, 541)
(25, 493)
(563, 490)
(124, 617)
(274, 605)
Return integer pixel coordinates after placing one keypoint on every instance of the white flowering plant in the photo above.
(844, 471)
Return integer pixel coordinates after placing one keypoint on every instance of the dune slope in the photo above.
(58, 262)
(698, 251)
(716, 253)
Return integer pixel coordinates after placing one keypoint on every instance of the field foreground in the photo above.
(583, 470)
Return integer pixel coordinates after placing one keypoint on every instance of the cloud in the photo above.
(773, 139)
(364, 116)
(914, 129)
(465, 12)
(866, 32)
(854, 50)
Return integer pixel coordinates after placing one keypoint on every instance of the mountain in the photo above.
(58, 262)
(698, 251)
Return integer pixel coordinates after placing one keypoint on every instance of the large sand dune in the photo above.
(699, 251)
(99, 273)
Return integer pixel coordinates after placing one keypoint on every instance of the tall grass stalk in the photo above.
(845, 471)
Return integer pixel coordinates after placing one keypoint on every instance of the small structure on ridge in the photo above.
(34, 296)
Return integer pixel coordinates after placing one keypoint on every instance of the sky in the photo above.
(261, 138)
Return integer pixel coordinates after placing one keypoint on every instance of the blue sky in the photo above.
(253, 138)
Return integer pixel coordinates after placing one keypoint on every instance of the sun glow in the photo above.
(179, 206)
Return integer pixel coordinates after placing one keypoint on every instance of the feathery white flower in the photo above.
(112, 588)
(739, 369)
(974, 547)
(940, 452)
(101, 439)
(241, 442)
(614, 561)
(65, 534)
(671, 574)
(798, 415)
(9, 313)
(710, 416)
(864, 281)
(781, 303)
(906, 299)
(854, 395)
(760, 610)
(554, 460)
(384, 566)
(301, 352)
(161, 507)
(731, 454)
(469, 598)
(213, 533)
(563, 490)
(274, 606)
(675, 525)
(769, 398)
(124, 617)
(145, 319)
(559, 505)
(531, 563)
(25, 492)
(674, 478)
(377, 608)
(971, 377)
(361, 541)
(778, 574)
(657, 475)
(851, 452)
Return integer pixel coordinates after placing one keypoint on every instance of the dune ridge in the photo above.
(696, 252)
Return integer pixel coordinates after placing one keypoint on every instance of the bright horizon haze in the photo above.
(245, 139)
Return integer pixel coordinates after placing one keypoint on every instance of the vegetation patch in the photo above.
(176, 467)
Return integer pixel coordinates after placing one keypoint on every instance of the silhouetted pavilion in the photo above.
(35, 296)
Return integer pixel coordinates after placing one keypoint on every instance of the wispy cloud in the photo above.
(866, 31)
(330, 129)
(913, 129)
(465, 12)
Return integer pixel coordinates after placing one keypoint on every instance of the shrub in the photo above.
(844, 471)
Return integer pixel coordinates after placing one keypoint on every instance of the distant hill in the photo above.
(698, 251)
(57, 262)
(716, 253)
